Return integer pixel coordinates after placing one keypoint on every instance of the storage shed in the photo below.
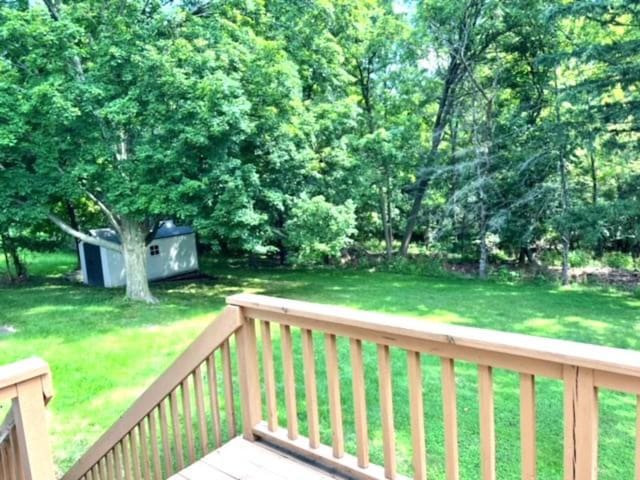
(172, 252)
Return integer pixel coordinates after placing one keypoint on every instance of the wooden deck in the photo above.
(241, 459)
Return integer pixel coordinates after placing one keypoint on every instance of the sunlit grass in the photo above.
(104, 351)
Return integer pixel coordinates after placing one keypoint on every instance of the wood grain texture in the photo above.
(416, 407)
(386, 412)
(269, 376)
(449, 404)
(487, 423)
(310, 381)
(289, 382)
(335, 404)
(359, 403)
(528, 426)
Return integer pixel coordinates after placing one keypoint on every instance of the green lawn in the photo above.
(104, 351)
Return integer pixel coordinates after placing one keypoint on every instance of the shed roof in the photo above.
(166, 230)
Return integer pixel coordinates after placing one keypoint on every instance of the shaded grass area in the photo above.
(104, 351)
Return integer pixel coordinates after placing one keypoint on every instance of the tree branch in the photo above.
(110, 216)
(83, 236)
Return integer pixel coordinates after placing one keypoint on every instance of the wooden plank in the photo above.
(528, 426)
(638, 437)
(416, 408)
(617, 382)
(289, 382)
(386, 411)
(450, 418)
(36, 456)
(310, 388)
(346, 466)
(117, 462)
(104, 474)
(23, 371)
(212, 380)
(269, 376)
(509, 361)
(177, 428)
(111, 467)
(359, 403)
(210, 339)
(134, 438)
(553, 351)
(227, 375)
(335, 404)
(155, 453)
(580, 424)
(250, 399)
(487, 423)
(188, 419)
(202, 417)
(144, 449)
(164, 433)
(126, 458)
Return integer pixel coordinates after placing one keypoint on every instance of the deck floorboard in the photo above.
(243, 460)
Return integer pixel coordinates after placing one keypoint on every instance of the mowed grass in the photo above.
(104, 351)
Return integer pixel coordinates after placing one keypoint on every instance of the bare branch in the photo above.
(83, 236)
(109, 214)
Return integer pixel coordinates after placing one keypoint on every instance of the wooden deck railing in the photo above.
(179, 418)
(583, 369)
(25, 451)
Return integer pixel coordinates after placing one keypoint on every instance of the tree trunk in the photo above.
(73, 222)
(386, 225)
(564, 190)
(134, 250)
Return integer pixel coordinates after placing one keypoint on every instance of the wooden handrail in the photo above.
(584, 369)
(176, 376)
(24, 441)
(394, 329)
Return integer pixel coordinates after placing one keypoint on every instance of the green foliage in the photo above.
(579, 258)
(319, 230)
(618, 260)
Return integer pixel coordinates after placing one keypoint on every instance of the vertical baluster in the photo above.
(335, 404)
(386, 411)
(177, 430)
(487, 423)
(450, 418)
(528, 426)
(15, 454)
(289, 382)
(359, 403)
(269, 377)
(4, 462)
(227, 374)
(202, 418)
(251, 399)
(144, 449)
(213, 399)
(638, 437)
(155, 453)
(126, 458)
(89, 475)
(188, 419)
(135, 457)
(104, 473)
(416, 406)
(164, 433)
(310, 388)
(111, 467)
(580, 424)
(117, 457)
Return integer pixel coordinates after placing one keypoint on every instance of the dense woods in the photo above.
(315, 130)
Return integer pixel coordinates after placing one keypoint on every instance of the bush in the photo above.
(579, 258)
(319, 230)
(618, 260)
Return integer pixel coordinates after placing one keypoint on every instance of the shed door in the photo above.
(94, 265)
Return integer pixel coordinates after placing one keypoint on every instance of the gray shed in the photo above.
(172, 252)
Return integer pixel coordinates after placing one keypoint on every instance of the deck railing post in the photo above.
(250, 398)
(36, 459)
(580, 424)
